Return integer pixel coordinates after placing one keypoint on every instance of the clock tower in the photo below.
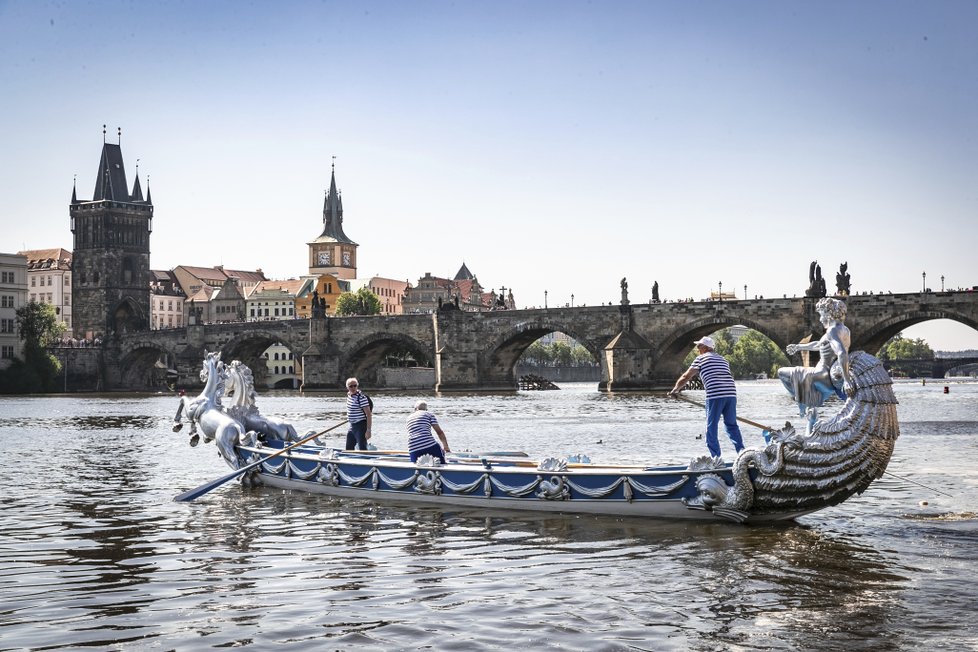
(333, 252)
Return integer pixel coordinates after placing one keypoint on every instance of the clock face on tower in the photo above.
(324, 258)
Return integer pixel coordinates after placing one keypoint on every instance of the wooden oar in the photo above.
(187, 496)
(747, 421)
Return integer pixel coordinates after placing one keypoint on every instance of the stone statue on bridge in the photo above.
(810, 386)
(816, 284)
(655, 292)
(842, 280)
(624, 292)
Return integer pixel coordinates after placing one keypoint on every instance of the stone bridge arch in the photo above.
(676, 344)
(365, 356)
(145, 364)
(250, 345)
(505, 349)
(877, 334)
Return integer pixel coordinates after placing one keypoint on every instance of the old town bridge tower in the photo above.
(110, 279)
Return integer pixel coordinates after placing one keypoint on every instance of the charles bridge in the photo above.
(640, 347)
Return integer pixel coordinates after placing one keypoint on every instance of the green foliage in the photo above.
(361, 302)
(750, 355)
(39, 327)
(901, 348)
(557, 354)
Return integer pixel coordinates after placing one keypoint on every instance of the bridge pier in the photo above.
(321, 360)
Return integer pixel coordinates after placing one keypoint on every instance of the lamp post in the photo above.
(572, 298)
(924, 277)
(745, 292)
(544, 299)
(720, 285)
(942, 282)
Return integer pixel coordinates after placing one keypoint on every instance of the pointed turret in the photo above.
(74, 191)
(137, 191)
(110, 182)
(464, 274)
(333, 252)
(333, 213)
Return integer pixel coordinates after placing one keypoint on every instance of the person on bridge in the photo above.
(420, 442)
(721, 394)
(359, 414)
(810, 386)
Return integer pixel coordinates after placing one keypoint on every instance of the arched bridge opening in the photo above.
(147, 366)
(507, 352)
(390, 360)
(675, 347)
(253, 349)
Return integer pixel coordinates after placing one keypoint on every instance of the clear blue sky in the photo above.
(554, 146)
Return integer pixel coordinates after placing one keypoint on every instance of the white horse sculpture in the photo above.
(206, 412)
(240, 389)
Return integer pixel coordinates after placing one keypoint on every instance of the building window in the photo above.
(6, 325)
(49, 280)
(33, 281)
(7, 353)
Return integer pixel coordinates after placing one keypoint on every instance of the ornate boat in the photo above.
(793, 475)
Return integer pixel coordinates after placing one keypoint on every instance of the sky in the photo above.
(553, 147)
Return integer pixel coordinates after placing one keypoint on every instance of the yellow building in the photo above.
(326, 289)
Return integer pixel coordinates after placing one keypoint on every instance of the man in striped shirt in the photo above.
(420, 442)
(721, 394)
(359, 414)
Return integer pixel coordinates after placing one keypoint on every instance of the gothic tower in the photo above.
(111, 278)
(333, 252)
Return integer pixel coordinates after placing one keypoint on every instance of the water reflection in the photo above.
(95, 554)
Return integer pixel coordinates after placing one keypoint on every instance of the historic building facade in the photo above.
(110, 283)
(13, 295)
(166, 308)
(333, 252)
(49, 280)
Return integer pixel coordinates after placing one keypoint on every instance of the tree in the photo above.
(39, 327)
(361, 302)
(536, 354)
(751, 354)
(899, 347)
(562, 354)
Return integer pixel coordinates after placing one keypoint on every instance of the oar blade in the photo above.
(196, 492)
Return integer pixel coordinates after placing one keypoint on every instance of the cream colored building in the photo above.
(13, 295)
(390, 291)
(273, 300)
(166, 299)
(284, 367)
(49, 280)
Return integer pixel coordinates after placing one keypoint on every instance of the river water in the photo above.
(94, 554)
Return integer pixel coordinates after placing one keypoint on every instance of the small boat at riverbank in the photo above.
(793, 475)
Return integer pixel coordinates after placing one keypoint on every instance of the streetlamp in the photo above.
(720, 284)
(942, 282)
(745, 292)
(572, 298)
(545, 299)
(924, 276)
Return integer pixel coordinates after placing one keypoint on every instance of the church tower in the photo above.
(333, 252)
(110, 272)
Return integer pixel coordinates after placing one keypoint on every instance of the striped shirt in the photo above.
(715, 373)
(354, 407)
(419, 430)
